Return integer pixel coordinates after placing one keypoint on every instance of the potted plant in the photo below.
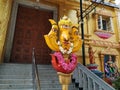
(116, 83)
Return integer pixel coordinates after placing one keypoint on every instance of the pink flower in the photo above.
(68, 67)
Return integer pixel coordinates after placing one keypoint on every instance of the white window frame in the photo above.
(109, 23)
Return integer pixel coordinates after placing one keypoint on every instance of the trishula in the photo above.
(64, 40)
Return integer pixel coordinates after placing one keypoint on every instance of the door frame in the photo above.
(107, 51)
(11, 27)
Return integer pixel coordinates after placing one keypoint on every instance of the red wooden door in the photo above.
(31, 26)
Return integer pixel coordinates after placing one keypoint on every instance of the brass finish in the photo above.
(64, 79)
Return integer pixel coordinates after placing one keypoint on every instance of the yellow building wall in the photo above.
(5, 8)
(114, 38)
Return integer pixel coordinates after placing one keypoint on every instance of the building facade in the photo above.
(24, 22)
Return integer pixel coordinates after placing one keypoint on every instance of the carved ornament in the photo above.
(109, 51)
(102, 43)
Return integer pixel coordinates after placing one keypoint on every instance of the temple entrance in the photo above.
(31, 26)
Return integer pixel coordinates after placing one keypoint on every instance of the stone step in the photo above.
(53, 86)
(16, 89)
(19, 77)
(49, 79)
(11, 65)
(15, 86)
(46, 75)
(56, 84)
(49, 82)
(15, 68)
(15, 76)
(46, 71)
(57, 89)
(44, 66)
(16, 81)
(15, 72)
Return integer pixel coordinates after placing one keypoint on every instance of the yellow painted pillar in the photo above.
(102, 62)
(5, 9)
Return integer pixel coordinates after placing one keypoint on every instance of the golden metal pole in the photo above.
(65, 80)
(64, 87)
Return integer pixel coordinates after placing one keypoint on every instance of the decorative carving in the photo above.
(109, 51)
(103, 13)
(102, 43)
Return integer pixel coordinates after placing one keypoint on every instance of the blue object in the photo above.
(98, 73)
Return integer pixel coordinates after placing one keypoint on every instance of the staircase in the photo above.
(19, 77)
(49, 79)
(16, 77)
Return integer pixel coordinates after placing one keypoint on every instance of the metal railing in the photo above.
(88, 80)
(36, 81)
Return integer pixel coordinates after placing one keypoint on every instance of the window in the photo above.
(105, 23)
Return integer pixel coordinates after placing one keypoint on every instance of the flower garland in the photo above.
(68, 67)
(64, 51)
